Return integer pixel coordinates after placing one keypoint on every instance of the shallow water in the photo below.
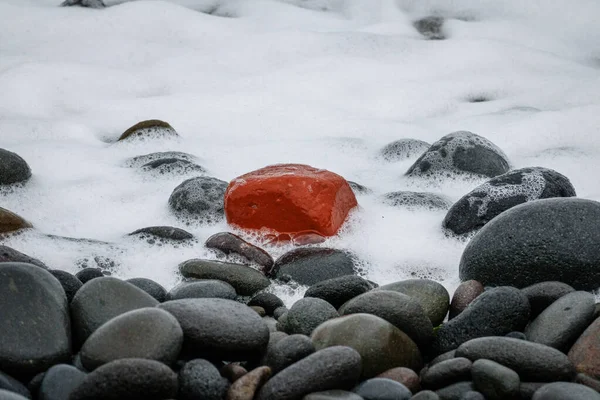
(327, 84)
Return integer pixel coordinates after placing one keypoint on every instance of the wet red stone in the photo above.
(290, 201)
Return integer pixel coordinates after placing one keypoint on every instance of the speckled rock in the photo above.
(11, 222)
(381, 345)
(287, 351)
(13, 169)
(485, 202)
(541, 295)
(311, 265)
(229, 243)
(308, 313)
(416, 200)
(403, 149)
(494, 380)
(464, 294)
(359, 189)
(199, 199)
(337, 291)
(460, 153)
(199, 379)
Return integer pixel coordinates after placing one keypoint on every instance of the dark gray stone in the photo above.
(36, 330)
(151, 287)
(495, 312)
(485, 202)
(219, 329)
(308, 313)
(417, 200)
(268, 301)
(245, 280)
(332, 395)
(527, 389)
(199, 199)
(162, 234)
(565, 391)
(287, 351)
(359, 189)
(403, 149)
(336, 367)
(35, 383)
(533, 362)
(400, 310)
(337, 291)
(140, 161)
(59, 382)
(472, 395)
(542, 294)
(534, 242)
(89, 273)
(172, 166)
(425, 395)
(229, 243)
(8, 395)
(148, 333)
(102, 299)
(199, 379)
(464, 294)
(279, 311)
(494, 380)
(516, 335)
(10, 384)
(432, 296)
(130, 378)
(68, 281)
(446, 372)
(455, 391)
(311, 265)
(563, 321)
(8, 254)
(430, 27)
(13, 169)
(382, 389)
(209, 288)
(460, 153)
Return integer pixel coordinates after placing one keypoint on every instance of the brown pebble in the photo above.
(585, 353)
(259, 310)
(10, 222)
(229, 243)
(465, 293)
(405, 376)
(233, 372)
(246, 387)
(138, 129)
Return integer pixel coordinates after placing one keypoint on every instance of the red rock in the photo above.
(289, 200)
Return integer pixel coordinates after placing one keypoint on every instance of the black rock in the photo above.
(268, 301)
(534, 242)
(337, 291)
(10, 384)
(425, 395)
(199, 379)
(130, 378)
(336, 367)
(495, 312)
(70, 283)
(87, 274)
(148, 333)
(565, 391)
(311, 265)
(102, 299)
(382, 389)
(8, 254)
(446, 372)
(154, 289)
(455, 391)
(460, 153)
(332, 395)
(400, 310)
(442, 357)
(36, 330)
(172, 166)
(563, 321)
(494, 380)
(357, 188)
(200, 199)
(152, 234)
(140, 161)
(417, 200)
(59, 382)
(13, 169)
(35, 383)
(209, 288)
(533, 362)
(245, 280)
(308, 313)
(229, 243)
(542, 294)
(219, 329)
(403, 149)
(485, 202)
(430, 27)
(8, 395)
(288, 350)
(432, 296)
(527, 389)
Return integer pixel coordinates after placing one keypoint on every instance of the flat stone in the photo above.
(565, 391)
(425, 395)
(142, 160)
(228, 243)
(245, 280)
(59, 382)
(455, 391)
(464, 294)
(208, 288)
(541, 295)
(494, 380)
(533, 362)
(308, 266)
(11, 222)
(382, 389)
(173, 166)
(585, 353)
(308, 313)
(337, 291)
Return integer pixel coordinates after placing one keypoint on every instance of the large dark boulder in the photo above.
(543, 240)
(482, 204)
(460, 153)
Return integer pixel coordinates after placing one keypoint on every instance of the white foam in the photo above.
(284, 84)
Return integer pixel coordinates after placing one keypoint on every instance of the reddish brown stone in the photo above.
(10, 222)
(465, 293)
(405, 376)
(585, 353)
(233, 372)
(290, 199)
(246, 387)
